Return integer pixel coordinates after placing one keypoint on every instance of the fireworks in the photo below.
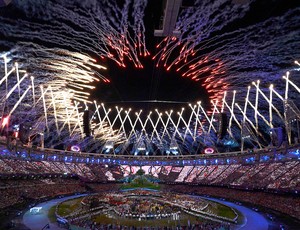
(62, 45)
(186, 131)
(206, 49)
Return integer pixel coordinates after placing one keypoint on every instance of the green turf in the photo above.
(51, 214)
(220, 210)
(68, 207)
(241, 218)
(226, 211)
(140, 182)
(136, 186)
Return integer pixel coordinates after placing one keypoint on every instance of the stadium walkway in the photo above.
(253, 220)
(39, 220)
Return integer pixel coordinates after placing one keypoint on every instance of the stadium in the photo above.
(141, 114)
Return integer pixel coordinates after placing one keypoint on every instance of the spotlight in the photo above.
(109, 145)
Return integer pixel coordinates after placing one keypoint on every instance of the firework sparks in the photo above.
(211, 48)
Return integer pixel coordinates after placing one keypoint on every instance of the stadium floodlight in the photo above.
(173, 145)
(109, 145)
(141, 146)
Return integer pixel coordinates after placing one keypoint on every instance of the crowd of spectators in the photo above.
(289, 205)
(17, 191)
(275, 175)
(26, 180)
(102, 187)
(89, 224)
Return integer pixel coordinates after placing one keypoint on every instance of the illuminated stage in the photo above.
(252, 219)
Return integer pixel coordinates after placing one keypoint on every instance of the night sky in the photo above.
(225, 39)
(131, 85)
(146, 88)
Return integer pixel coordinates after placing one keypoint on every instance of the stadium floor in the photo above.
(253, 220)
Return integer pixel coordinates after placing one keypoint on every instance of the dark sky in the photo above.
(155, 83)
(150, 83)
